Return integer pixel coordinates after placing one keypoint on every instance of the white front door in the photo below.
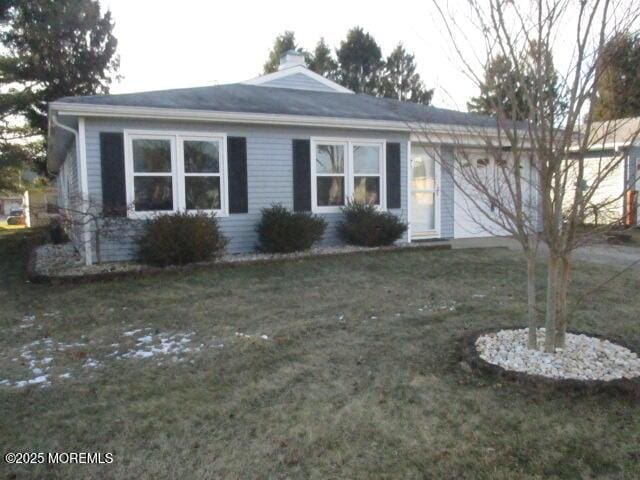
(424, 195)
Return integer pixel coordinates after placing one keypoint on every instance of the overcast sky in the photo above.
(193, 43)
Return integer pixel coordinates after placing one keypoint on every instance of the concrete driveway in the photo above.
(613, 255)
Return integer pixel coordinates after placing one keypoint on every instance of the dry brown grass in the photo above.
(360, 377)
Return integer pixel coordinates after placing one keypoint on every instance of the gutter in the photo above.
(271, 119)
(83, 180)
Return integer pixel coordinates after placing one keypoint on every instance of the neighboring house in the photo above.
(615, 149)
(290, 137)
(8, 203)
(40, 204)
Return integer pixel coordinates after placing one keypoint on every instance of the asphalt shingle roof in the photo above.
(244, 98)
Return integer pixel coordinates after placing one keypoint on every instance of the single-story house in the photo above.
(291, 137)
(9, 203)
(614, 146)
(40, 205)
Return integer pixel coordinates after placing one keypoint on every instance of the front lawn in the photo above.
(342, 367)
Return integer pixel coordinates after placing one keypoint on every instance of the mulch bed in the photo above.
(538, 383)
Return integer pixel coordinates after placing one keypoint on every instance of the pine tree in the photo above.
(400, 79)
(360, 62)
(321, 60)
(50, 50)
(619, 82)
(282, 43)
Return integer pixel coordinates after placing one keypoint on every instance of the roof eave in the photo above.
(90, 110)
(273, 119)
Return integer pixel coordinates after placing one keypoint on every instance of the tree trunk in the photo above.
(563, 288)
(532, 320)
(552, 297)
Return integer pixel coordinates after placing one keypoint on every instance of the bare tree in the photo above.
(88, 223)
(530, 172)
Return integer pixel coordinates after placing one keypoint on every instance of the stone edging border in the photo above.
(148, 271)
(471, 356)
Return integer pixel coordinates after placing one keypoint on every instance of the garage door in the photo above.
(470, 206)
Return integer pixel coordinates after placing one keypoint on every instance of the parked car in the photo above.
(16, 217)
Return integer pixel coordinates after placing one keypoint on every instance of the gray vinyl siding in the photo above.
(447, 192)
(69, 196)
(633, 161)
(298, 81)
(269, 170)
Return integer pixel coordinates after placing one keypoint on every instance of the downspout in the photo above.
(82, 180)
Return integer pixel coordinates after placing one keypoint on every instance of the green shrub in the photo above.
(180, 238)
(366, 226)
(283, 231)
(56, 232)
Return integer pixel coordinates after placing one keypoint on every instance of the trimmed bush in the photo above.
(283, 231)
(57, 233)
(366, 226)
(180, 238)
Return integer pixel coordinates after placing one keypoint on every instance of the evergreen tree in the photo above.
(51, 49)
(321, 60)
(400, 79)
(619, 81)
(282, 43)
(360, 62)
(511, 90)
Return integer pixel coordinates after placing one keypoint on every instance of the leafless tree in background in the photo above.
(531, 173)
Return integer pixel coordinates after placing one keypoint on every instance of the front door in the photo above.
(424, 197)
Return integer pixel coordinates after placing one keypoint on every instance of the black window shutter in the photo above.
(393, 175)
(237, 165)
(301, 175)
(114, 190)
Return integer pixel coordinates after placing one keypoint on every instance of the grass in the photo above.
(360, 376)
(5, 226)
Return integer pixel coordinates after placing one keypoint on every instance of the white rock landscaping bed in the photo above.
(584, 358)
(63, 260)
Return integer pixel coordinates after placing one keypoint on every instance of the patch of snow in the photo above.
(583, 358)
(91, 363)
(244, 335)
(42, 379)
(450, 305)
(64, 375)
(161, 344)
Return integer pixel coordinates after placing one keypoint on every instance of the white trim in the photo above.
(348, 173)
(177, 170)
(438, 132)
(84, 191)
(293, 71)
(81, 153)
(408, 190)
(228, 117)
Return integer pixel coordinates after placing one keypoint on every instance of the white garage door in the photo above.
(471, 207)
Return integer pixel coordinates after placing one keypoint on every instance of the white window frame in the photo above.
(348, 174)
(178, 175)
